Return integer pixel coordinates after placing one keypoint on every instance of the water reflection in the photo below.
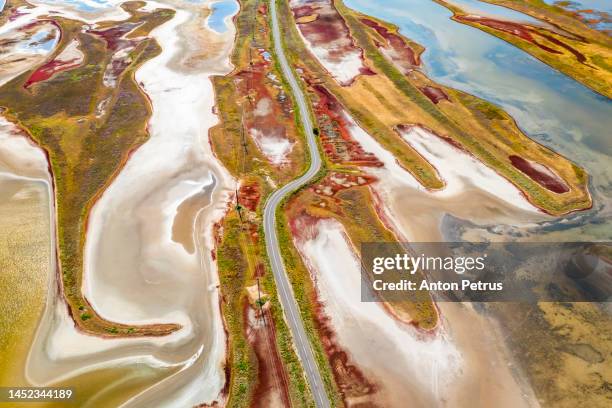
(551, 107)
(492, 10)
(220, 12)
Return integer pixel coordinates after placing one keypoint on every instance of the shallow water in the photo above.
(41, 43)
(221, 11)
(88, 6)
(185, 369)
(549, 106)
(492, 10)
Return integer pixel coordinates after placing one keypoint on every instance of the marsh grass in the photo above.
(85, 152)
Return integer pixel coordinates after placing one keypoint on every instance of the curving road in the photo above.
(285, 292)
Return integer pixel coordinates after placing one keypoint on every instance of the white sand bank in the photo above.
(463, 364)
(275, 148)
(472, 191)
(487, 377)
(19, 156)
(461, 170)
(404, 366)
(134, 271)
(340, 57)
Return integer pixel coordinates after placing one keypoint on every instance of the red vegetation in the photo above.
(52, 67)
(49, 69)
(579, 56)
(120, 46)
(328, 31)
(15, 14)
(266, 113)
(336, 138)
(335, 182)
(259, 270)
(516, 29)
(400, 53)
(524, 32)
(352, 382)
(434, 94)
(303, 11)
(249, 195)
(114, 37)
(542, 175)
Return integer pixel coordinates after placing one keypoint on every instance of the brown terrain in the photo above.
(272, 389)
(434, 94)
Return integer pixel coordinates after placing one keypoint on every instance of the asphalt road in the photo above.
(285, 291)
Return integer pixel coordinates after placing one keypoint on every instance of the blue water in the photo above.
(549, 106)
(40, 43)
(81, 5)
(540, 98)
(220, 11)
(2, 4)
(492, 10)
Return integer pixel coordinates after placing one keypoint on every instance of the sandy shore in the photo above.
(472, 190)
(130, 241)
(19, 156)
(328, 38)
(136, 270)
(452, 365)
(403, 366)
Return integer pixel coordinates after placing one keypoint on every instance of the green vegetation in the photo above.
(85, 151)
(578, 40)
(241, 250)
(483, 129)
(234, 275)
(479, 127)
